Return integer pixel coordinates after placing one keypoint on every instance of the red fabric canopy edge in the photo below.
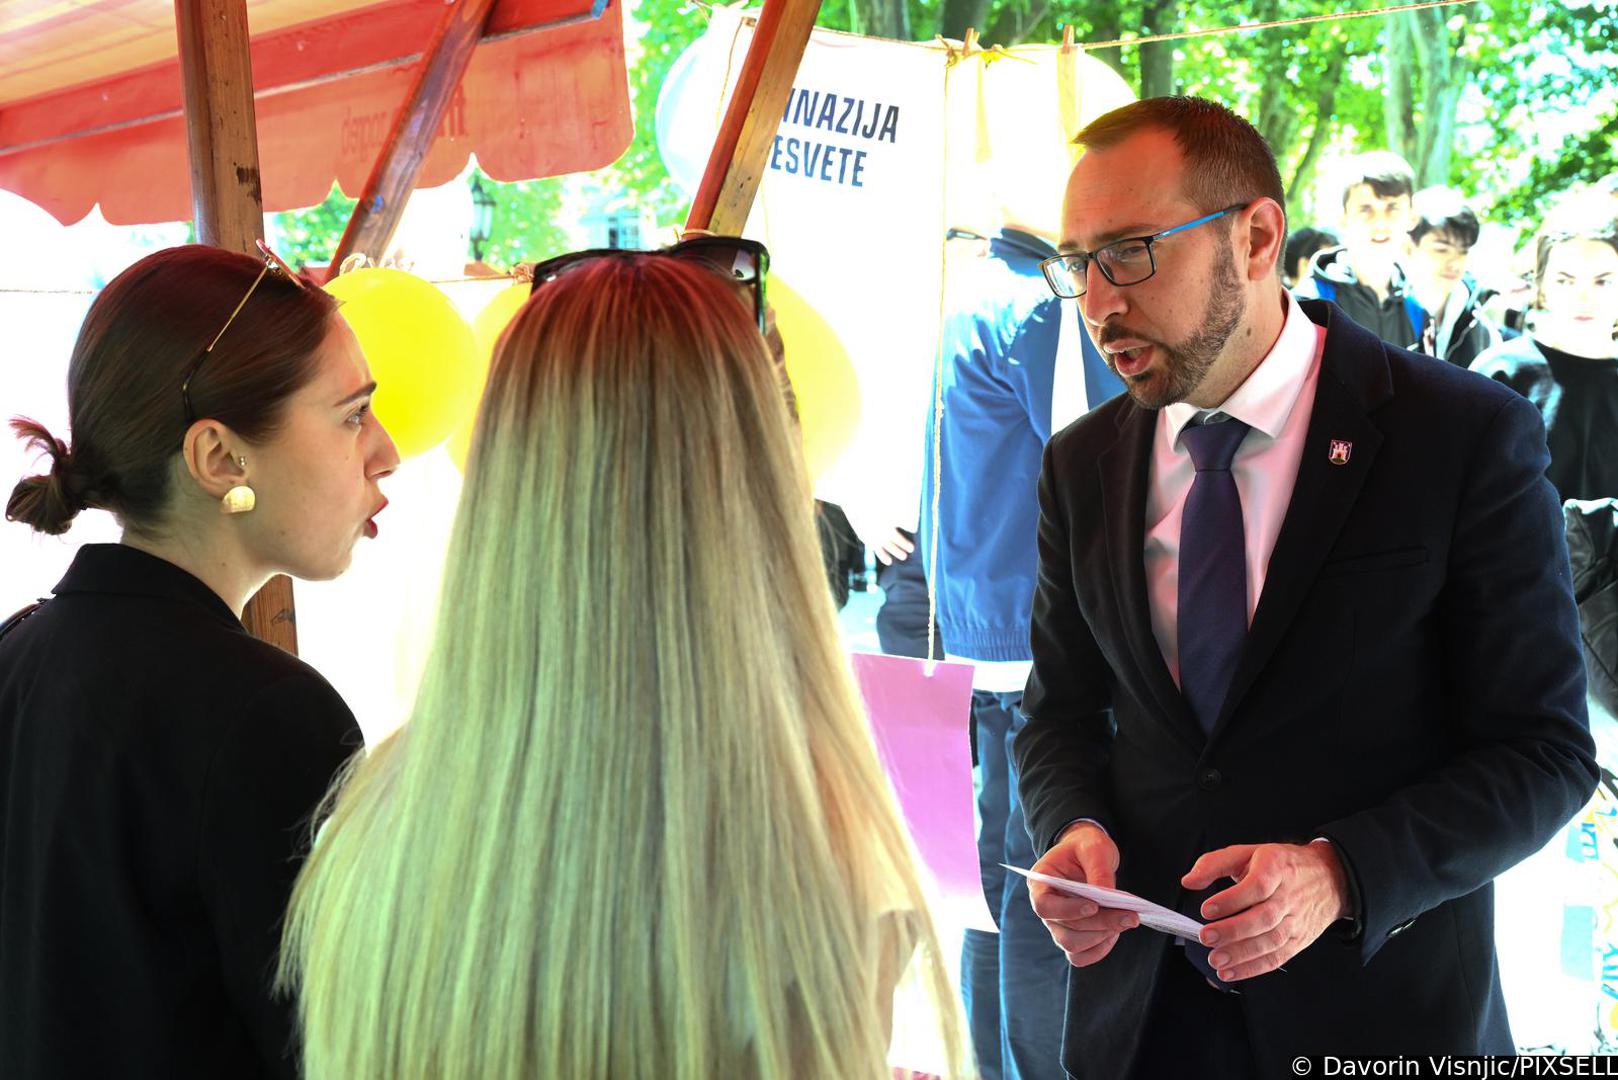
(546, 93)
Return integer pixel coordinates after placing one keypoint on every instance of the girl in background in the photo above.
(1567, 364)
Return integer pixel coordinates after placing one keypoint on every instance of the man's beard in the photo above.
(1183, 367)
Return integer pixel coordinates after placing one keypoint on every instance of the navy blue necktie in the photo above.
(1212, 613)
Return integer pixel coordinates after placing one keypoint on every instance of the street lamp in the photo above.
(482, 218)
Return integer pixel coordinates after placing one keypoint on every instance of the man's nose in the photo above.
(1102, 299)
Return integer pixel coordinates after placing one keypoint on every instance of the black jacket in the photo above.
(1464, 333)
(1395, 318)
(1411, 689)
(1578, 399)
(159, 770)
(1592, 547)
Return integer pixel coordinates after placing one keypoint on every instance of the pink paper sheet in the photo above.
(920, 725)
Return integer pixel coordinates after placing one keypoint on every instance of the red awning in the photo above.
(91, 104)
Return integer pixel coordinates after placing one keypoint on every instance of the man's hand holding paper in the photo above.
(1155, 916)
(1285, 896)
(1083, 929)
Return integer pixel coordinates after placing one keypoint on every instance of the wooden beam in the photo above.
(216, 74)
(227, 205)
(393, 177)
(736, 164)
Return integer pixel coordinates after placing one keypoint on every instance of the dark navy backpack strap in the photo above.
(13, 620)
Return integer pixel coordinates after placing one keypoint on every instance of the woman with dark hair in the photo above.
(161, 764)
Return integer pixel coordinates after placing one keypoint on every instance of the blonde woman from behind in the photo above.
(635, 826)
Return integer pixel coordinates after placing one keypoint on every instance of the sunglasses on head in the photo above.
(745, 262)
(273, 264)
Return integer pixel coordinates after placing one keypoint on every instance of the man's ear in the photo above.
(1266, 236)
(212, 454)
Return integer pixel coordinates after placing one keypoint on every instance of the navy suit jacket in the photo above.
(1411, 689)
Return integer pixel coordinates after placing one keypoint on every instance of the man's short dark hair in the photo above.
(1383, 171)
(1227, 162)
(1305, 242)
(1444, 211)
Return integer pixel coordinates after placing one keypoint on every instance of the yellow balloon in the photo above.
(420, 351)
(487, 327)
(822, 377)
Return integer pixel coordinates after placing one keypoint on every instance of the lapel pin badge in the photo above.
(1340, 449)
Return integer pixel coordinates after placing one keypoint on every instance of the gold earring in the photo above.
(238, 500)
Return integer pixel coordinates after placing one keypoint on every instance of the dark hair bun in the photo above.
(45, 503)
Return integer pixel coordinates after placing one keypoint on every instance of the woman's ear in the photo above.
(212, 456)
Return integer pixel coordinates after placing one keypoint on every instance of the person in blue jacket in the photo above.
(1016, 365)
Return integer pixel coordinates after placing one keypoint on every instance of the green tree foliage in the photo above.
(671, 25)
(1560, 57)
(1402, 82)
(526, 227)
(306, 237)
(1582, 159)
(527, 222)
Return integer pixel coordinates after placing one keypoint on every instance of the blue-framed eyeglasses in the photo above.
(1129, 261)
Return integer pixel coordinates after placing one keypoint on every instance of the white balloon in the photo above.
(690, 108)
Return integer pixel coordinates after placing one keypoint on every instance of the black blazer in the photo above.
(1411, 689)
(160, 767)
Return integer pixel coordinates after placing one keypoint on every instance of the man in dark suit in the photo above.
(1306, 659)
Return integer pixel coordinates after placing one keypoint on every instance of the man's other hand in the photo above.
(1285, 897)
(1080, 928)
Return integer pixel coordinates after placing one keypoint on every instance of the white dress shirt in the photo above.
(1276, 401)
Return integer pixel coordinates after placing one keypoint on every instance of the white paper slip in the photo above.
(1153, 915)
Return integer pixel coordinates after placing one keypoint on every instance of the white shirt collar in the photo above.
(1266, 399)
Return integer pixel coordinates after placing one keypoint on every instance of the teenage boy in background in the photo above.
(1363, 276)
(1441, 240)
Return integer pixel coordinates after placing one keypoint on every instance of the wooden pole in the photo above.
(216, 72)
(393, 177)
(227, 203)
(736, 164)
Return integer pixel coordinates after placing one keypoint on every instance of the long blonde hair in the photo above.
(635, 826)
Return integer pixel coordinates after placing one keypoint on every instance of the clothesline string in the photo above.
(1184, 35)
(1300, 20)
